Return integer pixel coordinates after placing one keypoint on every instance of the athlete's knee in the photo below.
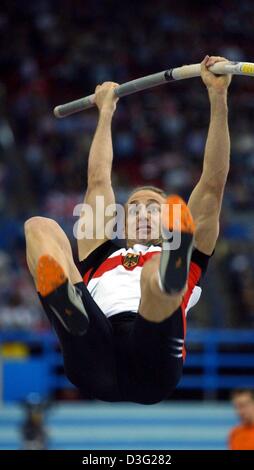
(37, 224)
(149, 280)
(150, 267)
(38, 230)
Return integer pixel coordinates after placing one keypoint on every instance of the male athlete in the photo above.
(121, 318)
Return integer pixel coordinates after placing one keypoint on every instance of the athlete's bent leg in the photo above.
(51, 264)
(164, 277)
(45, 236)
(156, 343)
(156, 358)
(155, 304)
(89, 360)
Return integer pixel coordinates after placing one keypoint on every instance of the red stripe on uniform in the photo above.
(194, 276)
(86, 276)
(108, 265)
(112, 263)
(144, 258)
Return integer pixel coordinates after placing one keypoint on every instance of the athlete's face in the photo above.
(244, 406)
(143, 217)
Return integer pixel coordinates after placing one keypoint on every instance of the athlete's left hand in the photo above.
(215, 83)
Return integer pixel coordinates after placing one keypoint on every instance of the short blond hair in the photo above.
(148, 188)
(241, 391)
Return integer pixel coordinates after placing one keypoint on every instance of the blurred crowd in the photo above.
(56, 51)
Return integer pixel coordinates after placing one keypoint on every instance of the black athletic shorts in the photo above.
(123, 357)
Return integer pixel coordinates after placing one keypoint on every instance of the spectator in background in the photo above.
(33, 431)
(17, 315)
(242, 436)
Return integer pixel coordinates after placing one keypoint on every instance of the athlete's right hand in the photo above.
(215, 83)
(105, 98)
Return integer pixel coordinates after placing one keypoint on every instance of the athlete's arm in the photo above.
(206, 198)
(99, 171)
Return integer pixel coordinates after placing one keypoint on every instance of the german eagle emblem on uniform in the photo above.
(130, 260)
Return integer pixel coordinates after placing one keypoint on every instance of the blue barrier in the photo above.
(211, 360)
(207, 367)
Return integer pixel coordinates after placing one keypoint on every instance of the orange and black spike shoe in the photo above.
(63, 298)
(177, 245)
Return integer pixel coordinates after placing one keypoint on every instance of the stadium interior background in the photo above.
(56, 51)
